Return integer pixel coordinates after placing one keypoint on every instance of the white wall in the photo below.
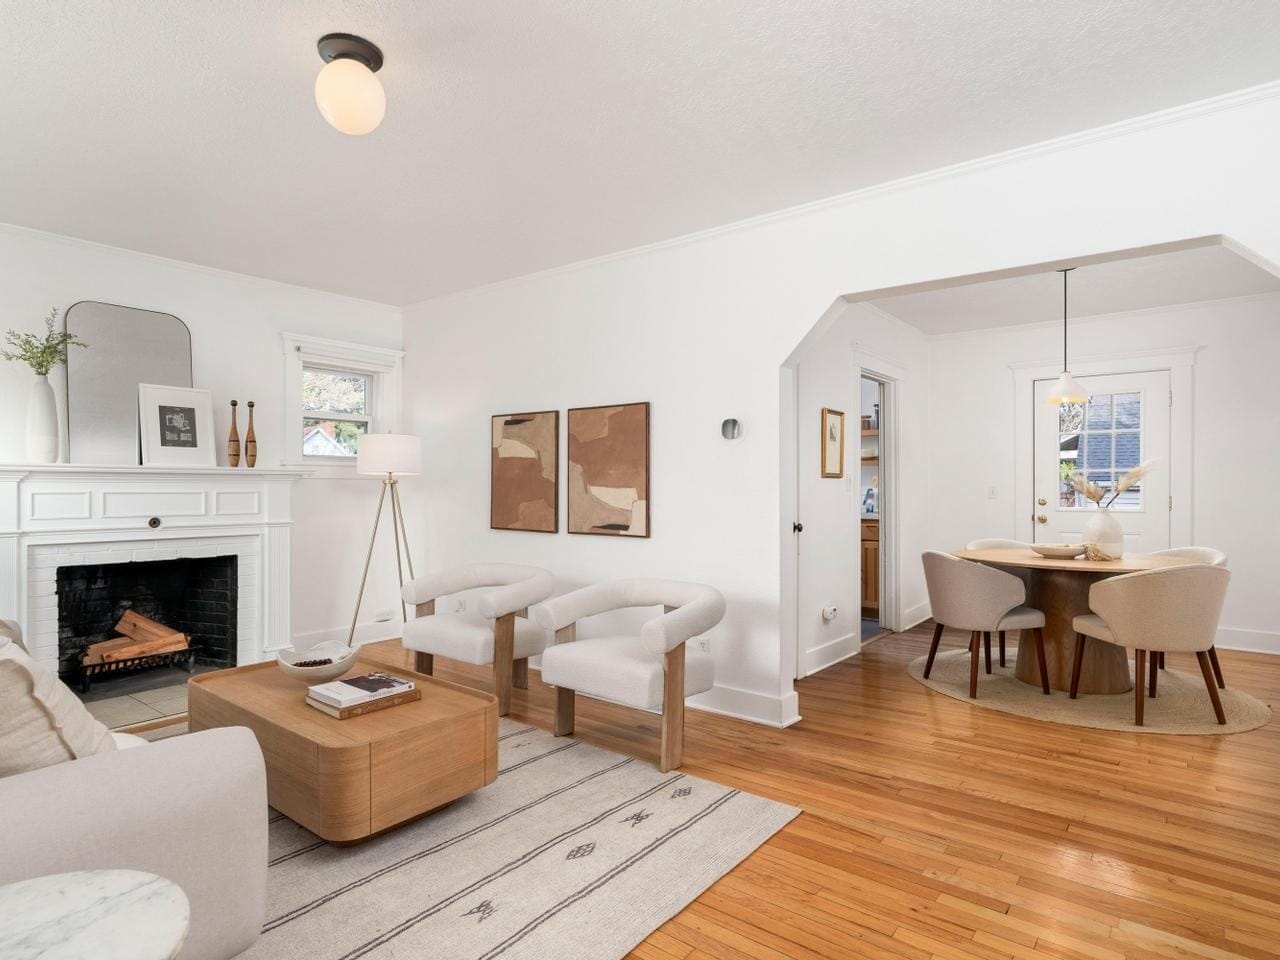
(1236, 456)
(828, 368)
(235, 324)
(699, 328)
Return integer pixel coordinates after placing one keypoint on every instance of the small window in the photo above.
(1102, 440)
(336, 410)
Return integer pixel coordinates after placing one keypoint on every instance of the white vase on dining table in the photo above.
(1104, 535)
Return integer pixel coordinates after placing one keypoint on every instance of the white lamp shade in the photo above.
(350, 97)
(1066, 390)
(383, 453)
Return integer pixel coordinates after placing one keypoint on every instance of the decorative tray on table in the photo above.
(1059, 551)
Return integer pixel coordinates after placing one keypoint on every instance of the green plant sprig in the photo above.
(41, 354)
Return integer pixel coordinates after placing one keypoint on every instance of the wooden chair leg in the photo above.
(671, 753)
(1081, 640)
(1217, 669)
(975, 641)
(564, 711)
(986, 644)
(933, 649)
(520, 673)
(1002, 648)
(1040, 661)
(1161, 659)
(1139, 668)
(1206, 668)
(1153, 670)
(423, 662)
(504, 643)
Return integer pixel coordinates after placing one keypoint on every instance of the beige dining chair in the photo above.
(999, 543)
(1214, 558)
(971, 596)
(1171, 609)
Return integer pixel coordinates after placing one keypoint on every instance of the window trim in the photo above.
(383, 367)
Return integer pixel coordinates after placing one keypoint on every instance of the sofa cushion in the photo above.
(622, 669)
(42, 722)
(469, 637)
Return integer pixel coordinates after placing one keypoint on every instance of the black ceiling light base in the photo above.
(347, 46)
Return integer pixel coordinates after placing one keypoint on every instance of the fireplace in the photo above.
(195, 595)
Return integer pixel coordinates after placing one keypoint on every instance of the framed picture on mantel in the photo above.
(176, 426)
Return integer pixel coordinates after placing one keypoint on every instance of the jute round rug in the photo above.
(1181, 705)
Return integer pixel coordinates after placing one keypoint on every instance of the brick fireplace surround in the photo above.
(58, 515)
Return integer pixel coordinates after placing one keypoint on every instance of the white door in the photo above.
(1125, 422)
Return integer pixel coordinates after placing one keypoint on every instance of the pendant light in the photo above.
(348, 91)
(1066, 390)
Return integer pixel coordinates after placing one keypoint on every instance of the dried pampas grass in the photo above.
(1096, 493)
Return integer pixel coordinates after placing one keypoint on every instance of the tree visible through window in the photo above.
(335, 412)
(1103, 440)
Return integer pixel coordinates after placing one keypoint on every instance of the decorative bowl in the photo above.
(341, 656)
(1059, 551)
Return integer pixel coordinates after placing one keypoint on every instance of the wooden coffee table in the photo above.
(346, 780)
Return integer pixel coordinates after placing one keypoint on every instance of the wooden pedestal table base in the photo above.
(1063, 596)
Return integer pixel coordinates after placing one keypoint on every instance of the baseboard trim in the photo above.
(833, 651)
(914, 616)
(1249, 641)
(370, 632)
(749, 705)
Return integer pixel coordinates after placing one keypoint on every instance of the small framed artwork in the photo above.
(609, 470)
(176, 426)
(832, 443)
(524, 475)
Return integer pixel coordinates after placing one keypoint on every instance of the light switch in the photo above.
(991, 493)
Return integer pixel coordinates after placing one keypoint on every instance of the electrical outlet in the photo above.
(382, 616)
(460, 605)
(702, 643)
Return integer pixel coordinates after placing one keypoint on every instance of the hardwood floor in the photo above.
(933, 828)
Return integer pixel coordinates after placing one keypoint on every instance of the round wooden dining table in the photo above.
(1060, 589)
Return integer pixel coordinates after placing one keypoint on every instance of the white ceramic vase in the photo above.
(42, 422)
(1102, 531)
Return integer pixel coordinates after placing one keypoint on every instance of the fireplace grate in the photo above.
(116, 668)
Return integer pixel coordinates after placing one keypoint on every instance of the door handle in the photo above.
(1042, 519)
(797, 527)
(1043, 502)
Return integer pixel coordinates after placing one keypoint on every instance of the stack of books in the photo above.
(359, 695)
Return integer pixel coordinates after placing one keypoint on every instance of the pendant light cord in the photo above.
(1064, 316)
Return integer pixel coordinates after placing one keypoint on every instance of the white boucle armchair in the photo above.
(496, 631)
(654, 669)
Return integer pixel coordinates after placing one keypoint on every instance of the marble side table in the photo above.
(98, 914)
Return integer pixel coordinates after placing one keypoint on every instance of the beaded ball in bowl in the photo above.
(320, 663)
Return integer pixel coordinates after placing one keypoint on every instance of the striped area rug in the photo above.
(573, 852)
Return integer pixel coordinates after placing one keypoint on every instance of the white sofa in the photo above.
(192, 809)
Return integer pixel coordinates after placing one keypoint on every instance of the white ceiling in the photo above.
(1187, 276)
(524, 135)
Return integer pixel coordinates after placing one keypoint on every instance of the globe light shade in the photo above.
(379, 454)
(1066, 390)
(350, 96)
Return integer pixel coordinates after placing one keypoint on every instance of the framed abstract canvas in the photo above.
(832, 443)
(609, 470)
(524, 479)
(176, 426)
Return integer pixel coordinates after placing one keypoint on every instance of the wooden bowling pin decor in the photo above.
(233, 440)
(250, 441)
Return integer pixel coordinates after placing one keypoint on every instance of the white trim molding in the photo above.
(1180, 364)
(383, 366)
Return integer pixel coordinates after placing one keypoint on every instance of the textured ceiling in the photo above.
(1187, 276)
(524, 135)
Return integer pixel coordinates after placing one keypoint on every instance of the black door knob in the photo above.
(797, 527)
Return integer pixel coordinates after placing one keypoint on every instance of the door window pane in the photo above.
(1100, 439)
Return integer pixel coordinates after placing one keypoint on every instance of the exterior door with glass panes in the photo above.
(1125, 423)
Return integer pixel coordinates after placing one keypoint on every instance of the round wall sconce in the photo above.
(348, 92)
(731, 429)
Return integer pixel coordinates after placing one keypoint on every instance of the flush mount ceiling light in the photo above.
(1066, 390)
(348, 93)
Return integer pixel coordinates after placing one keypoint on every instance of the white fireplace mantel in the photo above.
(55, 515)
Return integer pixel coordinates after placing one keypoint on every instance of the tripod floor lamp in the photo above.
(389, 456)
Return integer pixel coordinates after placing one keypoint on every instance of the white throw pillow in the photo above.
(42, 722)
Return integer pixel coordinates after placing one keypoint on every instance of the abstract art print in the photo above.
(609, 470)
(524, 491)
